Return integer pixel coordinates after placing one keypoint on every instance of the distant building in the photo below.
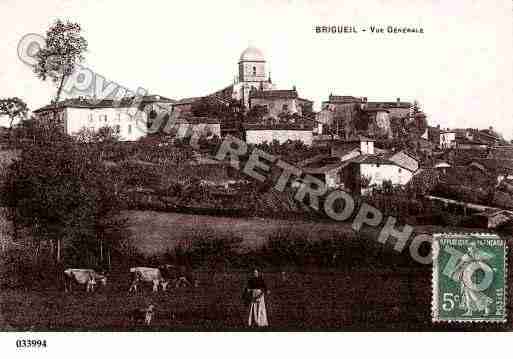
(129, 118)
(505, 152)
(377, 169)
(184, 106)
(499, 168)
(252, 75)
(447, 139)
(396, 109)
(491, 219)
(188, 126)
(260, 133)
(279, 102)
(434, 135)
(354, 166)
(442, 166)
(345, 112)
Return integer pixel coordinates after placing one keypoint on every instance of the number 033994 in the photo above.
(31, 343)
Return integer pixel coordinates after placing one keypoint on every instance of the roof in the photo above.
(225, 93)
(404, 159)
(196, 119)
(83, 102)
(326, 168)
(359, 138)
(494, 212)
(314, 159)
(442, 164)
(281, 126)
(502, 152)
(304, 100)
(274, 94)
(464, 141)
(381, 160)
(389, 104)
(376, 109)
(373, 159)
(321, 164)
(344, 99)
(500, 165)
(187, 101)
(342, 149)
(252, 54)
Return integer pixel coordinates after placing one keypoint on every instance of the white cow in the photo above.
(87, 277)
(147, 274)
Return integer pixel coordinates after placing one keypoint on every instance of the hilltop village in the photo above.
(383, 151)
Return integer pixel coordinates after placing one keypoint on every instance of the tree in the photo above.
(14, 108)
(61, 192)
(63, 51)
(256, 113)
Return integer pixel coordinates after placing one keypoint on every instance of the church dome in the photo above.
(252, 54)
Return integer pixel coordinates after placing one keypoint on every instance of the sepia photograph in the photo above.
(254, 166)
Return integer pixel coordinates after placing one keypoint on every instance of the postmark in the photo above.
(469, 278)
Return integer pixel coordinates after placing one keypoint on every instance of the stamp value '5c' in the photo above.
(469, 278)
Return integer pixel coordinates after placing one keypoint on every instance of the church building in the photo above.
(252, 75)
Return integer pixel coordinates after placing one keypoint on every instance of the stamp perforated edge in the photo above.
(435, 248)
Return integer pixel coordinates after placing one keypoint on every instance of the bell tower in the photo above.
(252, 66)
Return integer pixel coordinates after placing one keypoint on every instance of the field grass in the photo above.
(304, 301)
(313, 300)
(371, 289)
(154, 233)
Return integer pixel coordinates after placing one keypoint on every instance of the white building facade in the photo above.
(256, 134)
(447, 139)
(76, 116)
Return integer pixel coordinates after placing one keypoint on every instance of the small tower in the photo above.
(252, 65)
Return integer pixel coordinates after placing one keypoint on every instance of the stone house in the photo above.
(279, 102)
(128, 117)
(264, 132)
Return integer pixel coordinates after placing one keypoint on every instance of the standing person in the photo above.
(255, 294)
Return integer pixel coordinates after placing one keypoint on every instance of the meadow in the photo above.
(366, 286)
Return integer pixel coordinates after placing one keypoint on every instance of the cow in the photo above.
(180, 276)
(87, 277)
(149, 275)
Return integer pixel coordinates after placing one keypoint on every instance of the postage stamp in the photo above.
(469, 272)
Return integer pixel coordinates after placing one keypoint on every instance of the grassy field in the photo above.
(304, 301)
(372, 289)
(348, 300)
(154, 233)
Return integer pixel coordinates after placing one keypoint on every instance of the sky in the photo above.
(460, 69)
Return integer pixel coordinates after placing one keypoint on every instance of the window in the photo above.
(254, 70)
(399, 170)
(129, 129)
(90, 117)
(285, 107)
(117, 129)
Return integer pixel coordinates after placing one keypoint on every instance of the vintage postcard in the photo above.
(248, 166)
